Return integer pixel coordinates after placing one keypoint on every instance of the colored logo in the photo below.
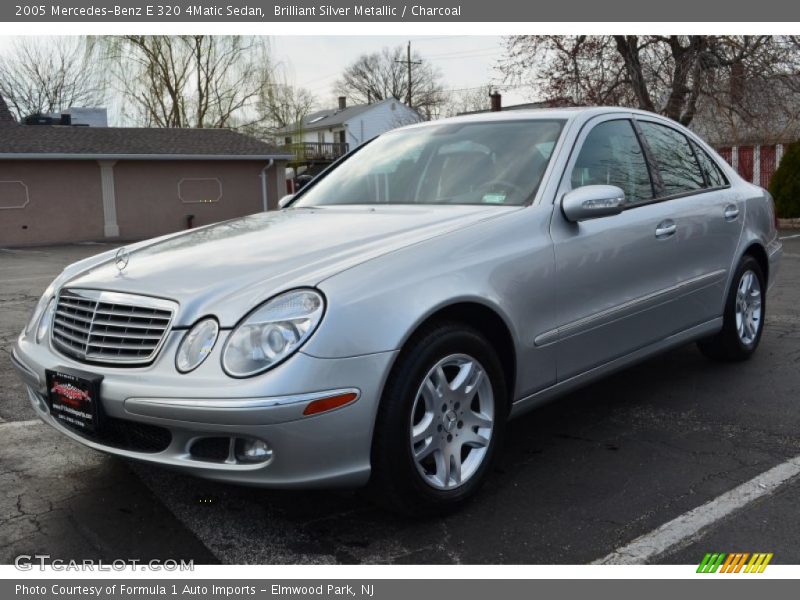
(738, 562)
(70, 393)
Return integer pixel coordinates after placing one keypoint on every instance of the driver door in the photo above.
(613, 274)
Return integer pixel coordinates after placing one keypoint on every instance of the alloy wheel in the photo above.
(452, 421)
(748, 308)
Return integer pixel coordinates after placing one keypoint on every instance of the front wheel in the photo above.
(440, 421)
(743, 321)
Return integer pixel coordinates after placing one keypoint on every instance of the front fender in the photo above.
(505, 264)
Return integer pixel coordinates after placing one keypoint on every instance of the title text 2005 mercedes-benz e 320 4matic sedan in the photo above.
(384, 325)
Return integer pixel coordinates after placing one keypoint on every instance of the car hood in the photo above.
(228, 268)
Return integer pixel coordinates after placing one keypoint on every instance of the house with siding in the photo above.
(64, 183)
(325, 135)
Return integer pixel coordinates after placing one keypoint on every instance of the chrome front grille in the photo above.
(109, 327)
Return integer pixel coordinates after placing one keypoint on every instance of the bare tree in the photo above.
(755, 101)
(467, 100)
(43, 75)
(284, 106)
(189, 80)
(382, 75)
(672, 75)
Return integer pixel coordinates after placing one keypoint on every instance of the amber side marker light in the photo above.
(325, 404)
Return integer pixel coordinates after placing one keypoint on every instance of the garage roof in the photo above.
(139, 143)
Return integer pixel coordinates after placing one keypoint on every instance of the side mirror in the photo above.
(592, 202)
(283, 202)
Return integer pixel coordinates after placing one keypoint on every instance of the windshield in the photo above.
(454, 163)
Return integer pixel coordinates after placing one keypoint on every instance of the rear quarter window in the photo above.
(713, 174)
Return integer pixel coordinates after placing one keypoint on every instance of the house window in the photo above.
(13, 194)
(321, 137)
(199, 190)
(287, 140)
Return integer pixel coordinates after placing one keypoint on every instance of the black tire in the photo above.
(396, 482)
(727, 345)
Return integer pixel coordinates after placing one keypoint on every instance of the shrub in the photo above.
(785, 184)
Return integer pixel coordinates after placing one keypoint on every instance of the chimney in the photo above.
(737, 81)
(342, 102)
(6, 118)
(497, 101)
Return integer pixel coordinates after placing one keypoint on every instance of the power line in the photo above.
(499, 86)
(491, 54)
(466, 51)
(422, 40)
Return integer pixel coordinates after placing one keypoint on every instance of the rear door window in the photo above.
(676, 162)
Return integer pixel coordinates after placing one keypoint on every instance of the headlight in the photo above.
(272, 332)
(45, 320)
(196, 345)
(37, 312)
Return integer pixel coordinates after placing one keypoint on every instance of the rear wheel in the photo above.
(441, 418)
(743, 321)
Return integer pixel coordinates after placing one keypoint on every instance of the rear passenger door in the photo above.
(706, 214)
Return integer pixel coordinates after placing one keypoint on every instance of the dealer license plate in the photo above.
(74, 398)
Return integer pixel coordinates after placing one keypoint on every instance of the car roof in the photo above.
(582, 113)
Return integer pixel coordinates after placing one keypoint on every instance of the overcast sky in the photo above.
(464, 61)
(314, 62)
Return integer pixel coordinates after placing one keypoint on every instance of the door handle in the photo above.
(666, 229)
(731, 212)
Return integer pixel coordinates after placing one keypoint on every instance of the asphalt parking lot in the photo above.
(577, 479)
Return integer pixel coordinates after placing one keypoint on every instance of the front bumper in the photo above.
(331, 449)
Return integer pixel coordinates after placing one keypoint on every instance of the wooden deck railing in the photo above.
(317, 150)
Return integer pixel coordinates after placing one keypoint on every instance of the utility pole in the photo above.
(408, 62)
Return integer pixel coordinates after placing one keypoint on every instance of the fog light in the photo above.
(252, 451)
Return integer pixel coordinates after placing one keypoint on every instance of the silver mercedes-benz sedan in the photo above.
(382, 328)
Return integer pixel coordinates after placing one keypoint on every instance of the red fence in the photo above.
(769, 164)
(756, 164)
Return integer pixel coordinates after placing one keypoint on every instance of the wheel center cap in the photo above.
(450, 420)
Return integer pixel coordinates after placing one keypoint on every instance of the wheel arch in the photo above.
(758, 252)
(488, 321)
